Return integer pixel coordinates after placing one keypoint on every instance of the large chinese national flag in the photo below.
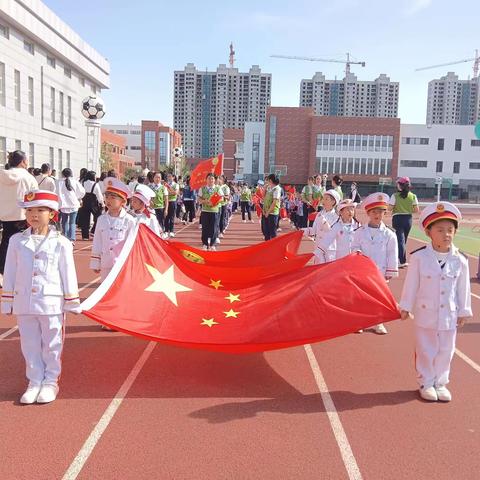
(211, 165)
(149, 295)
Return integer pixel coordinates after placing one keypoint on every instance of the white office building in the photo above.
(46, 70)
(452, 101)
(133, 136)
(449, 152)
(205, 103)
(350, 97)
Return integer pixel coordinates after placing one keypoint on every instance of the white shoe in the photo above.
(359, 331)
(252, 221)
(429, 394)
(213, 249)
(200, 227)
(165, 236)
(204, 247)
(244, 221)
(47, 394)
(30, 395)
(217, 241)
(1, 280)
(221, 235)
(380, 329)
(443, 394)
(172, 234)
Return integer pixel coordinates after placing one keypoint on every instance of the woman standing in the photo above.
(403, 205)
(92, 205)
(245, 201)
(210, 198)
(188, 198)
(271, 207)
(337, 181)
(307, 198)
(70, 192)
(15, 182)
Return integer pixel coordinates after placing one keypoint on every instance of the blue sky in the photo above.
(145, 41)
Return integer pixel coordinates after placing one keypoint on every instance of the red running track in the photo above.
(346, 408)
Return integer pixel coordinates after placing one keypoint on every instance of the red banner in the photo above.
(149, 295)
(199, 174)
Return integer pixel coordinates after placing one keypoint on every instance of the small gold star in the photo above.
(216, 284)
(231, 313)
(233, 298)
(209, 322)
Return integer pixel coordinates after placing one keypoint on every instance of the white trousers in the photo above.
(434, 351)
(41, 340)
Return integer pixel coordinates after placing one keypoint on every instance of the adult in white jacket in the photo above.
(15, 182)
(436, 293)
(70, 192)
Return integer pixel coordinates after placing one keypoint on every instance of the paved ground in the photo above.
(347, 408)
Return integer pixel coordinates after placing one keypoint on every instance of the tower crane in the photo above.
(347, 62)
(475, 60)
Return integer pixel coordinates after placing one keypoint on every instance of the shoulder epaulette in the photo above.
(418, 249)
(462, 253)
(390, 228)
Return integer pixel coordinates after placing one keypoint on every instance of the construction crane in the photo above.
(475, 60)
(347, 62)
(231, 59)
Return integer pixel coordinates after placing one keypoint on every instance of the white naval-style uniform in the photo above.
(150, 221)
(110, 235)
(436, 296)
(39, 285)
(379, 244)
(341, 236)
(321, 225)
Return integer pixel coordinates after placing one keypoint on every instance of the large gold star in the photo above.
(233, 298)
(231, 313)
(209, 322)
(165, 283)
(216, 284)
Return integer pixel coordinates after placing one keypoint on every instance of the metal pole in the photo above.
(439, 187)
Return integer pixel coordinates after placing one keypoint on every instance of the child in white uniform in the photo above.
(321, 225)
(377, 241)
(112, 228)
(39, 286)
(342, 232)
(436, 294)
(140, 208)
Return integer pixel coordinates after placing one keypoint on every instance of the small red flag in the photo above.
(199, 174)
(215, 199)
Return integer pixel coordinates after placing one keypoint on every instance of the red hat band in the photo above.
(439, 216)
(35, 196)
(371, 206)
(121, 193)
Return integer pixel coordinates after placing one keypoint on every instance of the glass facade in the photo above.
(353, 142)
(163, 147)
(149, 140)
(206, 106)
(354, 165)
(255, 153)
(272, 140)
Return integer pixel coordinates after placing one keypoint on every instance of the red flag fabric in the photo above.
(276, 250)
(211, 165)
(215, 199)
(148, 295)
(312, 216)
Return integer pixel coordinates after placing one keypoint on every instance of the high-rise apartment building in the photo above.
(205, 103)
(350, 97)
(452, 101)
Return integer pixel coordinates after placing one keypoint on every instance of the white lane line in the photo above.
(468, 360)
(83, 248)
(83, 455)
(475, 295)
(14, 329)
(8, 332)
(335, 422)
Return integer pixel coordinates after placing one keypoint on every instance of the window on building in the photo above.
(28, 46)
(67, 72)
(458, 145)
(51, 61)
(475, 143)
(51, 158)
(441, 144)
(2, 84)
(60, 159)
(18, 144)
(52, 104)
(31, 154)
(4, 31)
(272, 140)
(17, 91)
(3, 150)
(62, 112)
(456, 167)
(439, 168)
(69, 112)
(474, 165)
(30, 96)
(68, 158)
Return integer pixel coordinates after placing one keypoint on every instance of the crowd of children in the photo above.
(40, 283)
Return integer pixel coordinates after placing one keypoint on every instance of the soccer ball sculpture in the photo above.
(93, 108)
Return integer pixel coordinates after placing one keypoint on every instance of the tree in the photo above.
(106, 161)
